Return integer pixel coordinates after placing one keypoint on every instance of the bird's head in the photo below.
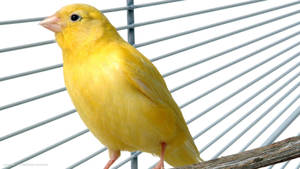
(78, 25)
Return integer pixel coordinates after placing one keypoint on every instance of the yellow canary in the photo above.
(118, 93)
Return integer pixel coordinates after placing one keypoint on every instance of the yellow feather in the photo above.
(118, 92)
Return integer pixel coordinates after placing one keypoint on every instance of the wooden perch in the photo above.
(264, 156)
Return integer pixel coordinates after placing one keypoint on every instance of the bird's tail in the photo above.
(183, 154)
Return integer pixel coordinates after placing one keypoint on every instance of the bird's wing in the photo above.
(143, 75)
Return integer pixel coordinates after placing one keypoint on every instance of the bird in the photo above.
(118, 93)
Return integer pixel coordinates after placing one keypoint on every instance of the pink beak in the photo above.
(51, 23)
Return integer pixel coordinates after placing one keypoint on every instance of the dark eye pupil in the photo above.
(75, 17)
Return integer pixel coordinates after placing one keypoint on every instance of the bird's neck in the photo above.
(80, 48)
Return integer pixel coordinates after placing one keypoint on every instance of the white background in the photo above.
(21, 116)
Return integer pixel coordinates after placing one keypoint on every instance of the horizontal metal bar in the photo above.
(37, 125)
(269, 124)
(231, 49)
(235, 61)
(127, 159)
(103, 11)
(21, 20)
(222, 36)
(209, 26)
(26, 46)
(46, 149)
(87, 158)
(31, 72)
(32, 98)
(171, 72)
(249, 98)
(152, 166)
(234, 78)
(283, 126)
(187, 15)
(152, 4)
(284, 165)
(257, 120)
(139, 6)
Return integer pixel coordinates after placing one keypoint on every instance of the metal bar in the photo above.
(185, 15)
(36, 125)
(21, 20)
(283, 126)
(153, 3)
(231, 49)
(284, 165)
(257, 119)
(32, 98)
(46, 149)
(130, 20)
(248, 113)
(103, 11)
(132, 156)
(131, 40)
(173, 71)
(221, 37)
(138, 6)
(87, 158)
(269, 124)
(26, 46)
(31, 72)
(234, 62)
(152, 167)
(202, 28)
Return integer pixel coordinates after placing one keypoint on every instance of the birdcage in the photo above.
(232, 67)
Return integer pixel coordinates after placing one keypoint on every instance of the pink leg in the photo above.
(160, 164)
(113, 156)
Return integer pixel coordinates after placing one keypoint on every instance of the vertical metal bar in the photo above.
(131, 40)
(130, 21)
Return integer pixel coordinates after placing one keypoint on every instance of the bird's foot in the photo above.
(113, 156)
(160, 165)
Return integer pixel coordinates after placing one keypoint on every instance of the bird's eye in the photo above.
(75, 17)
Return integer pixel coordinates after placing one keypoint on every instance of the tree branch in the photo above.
(264, 156)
